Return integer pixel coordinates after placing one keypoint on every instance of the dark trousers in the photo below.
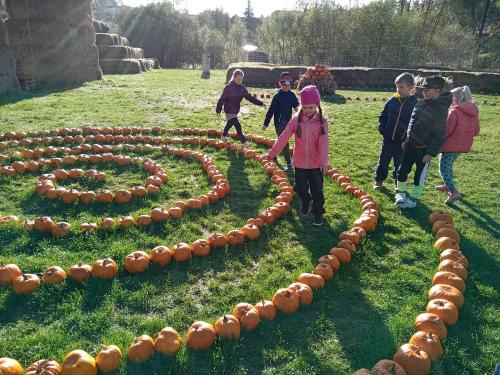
(309, 186)
(411, 156)
(236, 123)
(280, 127)
(390, 150)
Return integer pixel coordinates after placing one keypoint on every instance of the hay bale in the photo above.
(100, 27)
(120, 66)
(105, 39)
(120, 52)
(8, 77)
(68, 12)
(258, 56)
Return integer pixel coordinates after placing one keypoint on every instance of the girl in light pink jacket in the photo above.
(461, 128)
(310, 155)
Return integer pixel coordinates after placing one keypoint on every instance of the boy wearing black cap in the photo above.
(281, 108)
(424, 138)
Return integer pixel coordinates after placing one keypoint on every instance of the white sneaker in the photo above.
(400, 197)
(223, 139)
(408, 203)
(247, 144)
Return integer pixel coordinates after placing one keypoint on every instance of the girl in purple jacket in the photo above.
(231, 99)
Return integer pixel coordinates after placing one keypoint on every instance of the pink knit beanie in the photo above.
(309, 95)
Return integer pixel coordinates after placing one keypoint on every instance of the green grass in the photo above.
(360, 317)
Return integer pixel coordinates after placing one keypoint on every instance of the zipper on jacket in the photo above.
(307, 141)
(399, 115)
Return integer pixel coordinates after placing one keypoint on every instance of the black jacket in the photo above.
(388, 124)
(281, 107)
(427, 126)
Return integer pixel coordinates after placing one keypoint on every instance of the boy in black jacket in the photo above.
(425, 136)
(393, 123)
(281, 108)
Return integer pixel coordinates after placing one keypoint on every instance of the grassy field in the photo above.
(360, 317)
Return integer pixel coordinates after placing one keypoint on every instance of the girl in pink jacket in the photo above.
(310, 155)
(461, 128)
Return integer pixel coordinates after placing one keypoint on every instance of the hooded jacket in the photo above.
(427, 126)
(461, 128)
(394, 118)
(311, 148)
(232, 96)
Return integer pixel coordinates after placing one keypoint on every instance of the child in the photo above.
(281, 108)
(310, 156)
(231, 98)
(461, 128)
(424, 138)
(393, 123)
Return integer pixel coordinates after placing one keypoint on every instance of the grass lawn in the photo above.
(360, 317)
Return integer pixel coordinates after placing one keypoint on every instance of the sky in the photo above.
(260, 7)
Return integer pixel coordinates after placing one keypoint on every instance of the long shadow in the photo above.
(483, 219)
(334, 99)
(12, 98)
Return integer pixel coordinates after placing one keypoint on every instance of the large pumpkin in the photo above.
(444, 309)
(54, 275)
(105, 269)
(235, 237)
(80, 272)
(181, 252)
(109, 358)
(286, 300)
(136, 262)
(8, 273)
(303, 291)
(44, 367)
(266, 309)
(141, 349)
(454, 255)
(431, 323)
(26, 283)
(251, 231)
(201, 335)
(414, 360)
(78, 362)
(200, 247)
(248, 316)
(449, 278)
(440, 216)
(168, 341)
(429, 343)
(312, 280)
(447, 292)
(161, 255)
(342, 254)
(9, 366)
(228, 327)
(454, 267)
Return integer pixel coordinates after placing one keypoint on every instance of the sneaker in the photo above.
(223, 138)
(317, 222)
(247, 144)
(452, 197)
(289, 167)
(377, 185)
(400, 197)
(408, 203)
(442, 188)
(304, 211)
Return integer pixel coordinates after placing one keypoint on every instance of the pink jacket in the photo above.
(461, 128)
(311, 149)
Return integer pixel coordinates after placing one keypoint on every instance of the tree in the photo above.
(105, 10)
(250, 21)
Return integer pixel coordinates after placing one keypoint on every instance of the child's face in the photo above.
(308, 110)
(403, 89)
(431, 94)
(238, 79)
(285, 87)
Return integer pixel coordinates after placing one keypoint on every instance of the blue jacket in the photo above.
(389, 115)
(281, 107)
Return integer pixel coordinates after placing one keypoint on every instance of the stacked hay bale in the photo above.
(53, 41)
(117, 57)
(258, 56)
(8, 78)
(321, 77)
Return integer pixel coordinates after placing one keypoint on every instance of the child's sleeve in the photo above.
(295, 103)
(283, 138)
(382, 118)
(439, 133)
(451, 124)
(251, 99)
(477, 127)
(323, 145)
(270, 111)
(222, 99)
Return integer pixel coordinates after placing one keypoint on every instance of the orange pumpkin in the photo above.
(235, 237)
(454, 255)
(324, 270)
(44, 367)
(247, 314)
(448, 232)
(8, 273)
(228, 327)
(54, 275)
(386, 367)
(109, 358)
(123, 196)
(136, 262)
(200, 247)
(312, 280)
(445, 243)
(342, 254)
(181, 252)
(9, 366)
(286, 300)
(141, 350)
(454, 267)
(449, 278)
(161, 255)
(175, 212)
(26, 283)
(251, 231)
(159, 215)
(168, 341)
(429, 343)
(440, 216)
(105, 269)
(331, 260)
(258, 222)
(444, 309)
(217, 240)
(78, 362)
(303, 291)
(431, 323)
(266, 309)
(447, 292)
(347, 244)
(414, 360)
(80, 272)
(201, 335)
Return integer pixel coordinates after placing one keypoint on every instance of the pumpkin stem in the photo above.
(393, 369)
(225, 319)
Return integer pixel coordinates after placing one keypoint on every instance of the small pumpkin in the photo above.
(54, 275)
(181, 252)
(201, 335)
(217, 240)
(159, 215)
(312, 280)
(70, 196)
(431, 323)
(161, 255)
(331, 260)
(441, 224)
(44, 367)
(347, 244)
(248, 316)
(449, 278)
(127, 222)
(440, 216)
(303, 291)
(194, 203)
(105, 269)
(455, 256)
(444, 243)
(8, 272)
(123, 196)
(252, 232)
(342, 254)
(235, 237)
(168, 341)
(26, 283)
(80, 272)
(200, 247)
(414, 360)
(104, 196)
(324, 270)
(444, 309)
(9, 366)
(228, 327)
(387, 367)
(89, 227)
(429, 343)
(44, 224)
(136, 262)
(286, 300)
(109, 358)
(141, 349)
(87, 197)
(447, 292)
(107, 223)
(448, 232)
(266, 309)
(351, 236)
(78, 362)
(258, 222)
(144, 220)
(61, 229)
(454, 267)
(175, 212)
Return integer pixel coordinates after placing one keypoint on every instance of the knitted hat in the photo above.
(309, 95)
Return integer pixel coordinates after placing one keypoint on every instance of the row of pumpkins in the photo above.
(445, 299)
(202, 335)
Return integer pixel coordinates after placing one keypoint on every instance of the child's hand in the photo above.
(427, 158)
(323, 168)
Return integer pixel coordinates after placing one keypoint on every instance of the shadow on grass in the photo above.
(12, 98)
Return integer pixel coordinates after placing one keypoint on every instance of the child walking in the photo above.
(310, 156)
(424, 138)
(461, 128)
(281, 108)
(393, 123)
(231, 98)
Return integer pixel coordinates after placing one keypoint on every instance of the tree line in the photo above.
(462, 34)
